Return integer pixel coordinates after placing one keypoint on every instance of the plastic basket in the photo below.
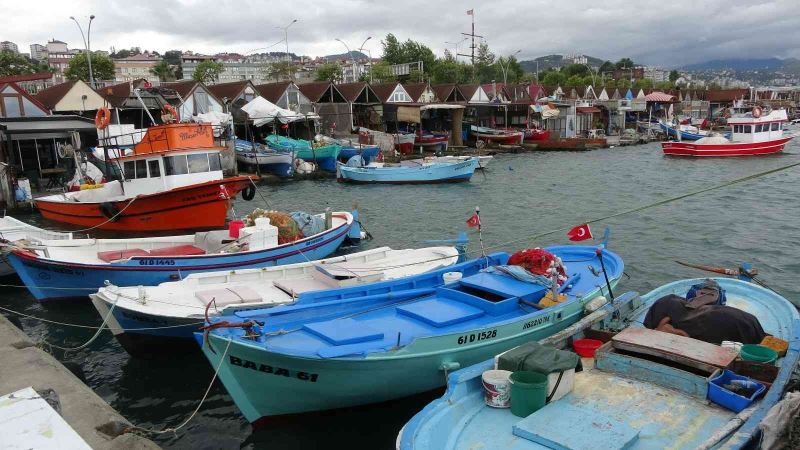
(727, 399)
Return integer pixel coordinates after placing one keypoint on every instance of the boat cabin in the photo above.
(757, 128)
(170, 156)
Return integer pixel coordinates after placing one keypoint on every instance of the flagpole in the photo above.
(480, 233)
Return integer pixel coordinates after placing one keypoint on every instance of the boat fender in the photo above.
(249, 192)
(595, 304)
(756, 112)
(110, 211)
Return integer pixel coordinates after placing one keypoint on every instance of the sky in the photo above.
(663, 33)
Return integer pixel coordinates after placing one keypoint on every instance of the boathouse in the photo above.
(329, 104)
(191, 98)
(72, 97)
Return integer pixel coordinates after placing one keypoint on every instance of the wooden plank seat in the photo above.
(672, 347)
(178, 250)
(116, 255)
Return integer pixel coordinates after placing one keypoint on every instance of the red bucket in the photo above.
(586, 347)
(234, 226)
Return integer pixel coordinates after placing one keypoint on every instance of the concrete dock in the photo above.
(22, 364)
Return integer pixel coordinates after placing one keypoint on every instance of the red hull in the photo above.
(506, 139)
(536, 135)
(196, 206)
(434, 140)
(731, 149)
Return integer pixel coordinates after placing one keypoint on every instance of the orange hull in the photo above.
(203, 205)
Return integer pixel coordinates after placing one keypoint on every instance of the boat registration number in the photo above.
(475, 337)
(267, 369)
(536, 322)
(156, 262)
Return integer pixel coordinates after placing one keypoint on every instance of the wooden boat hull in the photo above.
(48, 279)
(304, 383)
(731, 149)
(532, 135)
(434, 173)
(663, 415)
(277, 163)
(197, 206)
(513, 138)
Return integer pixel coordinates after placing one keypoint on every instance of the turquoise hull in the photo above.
(266, 379)
(665, 417)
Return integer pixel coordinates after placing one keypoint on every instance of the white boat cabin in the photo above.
(757, 128)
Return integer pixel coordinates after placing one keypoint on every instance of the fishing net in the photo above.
(288, 230)
(539, 262)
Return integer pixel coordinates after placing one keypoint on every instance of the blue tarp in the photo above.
(309, 225)
(519, 273)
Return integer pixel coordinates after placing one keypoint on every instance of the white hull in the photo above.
(13, 230)
(263, 159)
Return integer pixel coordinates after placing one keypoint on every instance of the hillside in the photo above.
(555, 61)
(739, 64)
(346, 56)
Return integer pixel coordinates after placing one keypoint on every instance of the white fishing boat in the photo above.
(176, 308)
(483, 160)
(14, 230)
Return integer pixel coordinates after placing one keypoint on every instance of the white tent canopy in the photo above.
(261, 111)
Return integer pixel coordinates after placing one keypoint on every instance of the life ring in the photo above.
(169, 110)
(110, 211)
(756, 112)
(249, 192)
(102, 118)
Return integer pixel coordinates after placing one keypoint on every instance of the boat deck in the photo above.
(665, 418)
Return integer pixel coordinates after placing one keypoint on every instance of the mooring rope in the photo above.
(110, 219)
(92, 327)
(87, 343)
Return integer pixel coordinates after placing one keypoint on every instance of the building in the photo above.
(136, 67)
(656, 74)
(191, 98)
(10, 46)
(236, 67)
(72, 97)
(38, 52)
(58, 57)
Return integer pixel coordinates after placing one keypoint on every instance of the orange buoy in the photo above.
(102, 118)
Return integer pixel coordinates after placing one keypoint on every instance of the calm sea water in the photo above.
(520, 195)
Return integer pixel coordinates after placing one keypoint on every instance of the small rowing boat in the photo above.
(420, 173)
(14, 230)
(276, 162)
(176, 307)
(323, 154)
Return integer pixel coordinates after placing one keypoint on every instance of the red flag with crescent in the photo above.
(474, 221)
(580, 233)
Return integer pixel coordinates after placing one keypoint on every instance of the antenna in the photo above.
(472, 35)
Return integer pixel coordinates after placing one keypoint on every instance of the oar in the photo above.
(749, 272)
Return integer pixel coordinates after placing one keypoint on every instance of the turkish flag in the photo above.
(580, 233)
(474, 221)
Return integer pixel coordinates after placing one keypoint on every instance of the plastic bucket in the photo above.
(496, 388)
(450, 277)
(758, 353)
(528, 392)
(585, 348)
(234, 226)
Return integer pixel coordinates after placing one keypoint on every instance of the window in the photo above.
(141, 169)
(214, 162)
(776, 126)
(155, 169)
(175, 165)
(198, 163)
(129, 170)
(747, 129)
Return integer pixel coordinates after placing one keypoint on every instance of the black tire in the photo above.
(249, 192)
(110, 211)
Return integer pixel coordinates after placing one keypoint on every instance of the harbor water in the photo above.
(520, 195)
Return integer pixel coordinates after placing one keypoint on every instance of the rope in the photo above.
(110, 219)
(92, 339)
(92, 327)
(199, 405)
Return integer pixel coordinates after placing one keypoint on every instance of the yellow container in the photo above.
(779, 345)
(548, 301)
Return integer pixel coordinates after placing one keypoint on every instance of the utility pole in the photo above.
(86, 44)
(472, 35)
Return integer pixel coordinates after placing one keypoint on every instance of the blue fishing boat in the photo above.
(276, 162)
(367, 152)
(645, 389)
(418, 173)
(382, 341)
(79, 267)
(323, 154)
(688, 132)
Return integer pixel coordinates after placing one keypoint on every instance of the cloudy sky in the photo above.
(666, 33)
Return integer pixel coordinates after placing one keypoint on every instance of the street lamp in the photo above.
(286, 36)
(350, 54)
(361, 49)
(86, 44)
(456, 44)
(508, 63)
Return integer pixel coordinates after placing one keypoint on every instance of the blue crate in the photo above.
(728, 399)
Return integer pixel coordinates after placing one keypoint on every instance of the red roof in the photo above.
(314, 91)
(415, 90)
(384, 90)
(659, 97)
(25, 94)
(229, 90)
(273, 91)
(727, 95)
(183, 87)
(26, 77)
(51, 96)
(352, 91)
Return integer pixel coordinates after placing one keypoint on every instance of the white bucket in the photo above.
(450, 277)
(496, 388)
(564, 386)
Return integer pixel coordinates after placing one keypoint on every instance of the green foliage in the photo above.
(124, 53)
(624, 63)
(380, 73)
(580, 70)
(280, 70)
(674, 75)
(329, 72)
(623, 83)
(173, 57)
(208, 71)
(553, 78)
(607, 66)
(448, 70)
(78, 69)
(643, 83)
(514, 71)
(575, 80)
(15, 64)
(665, 85)
(163, 70)
(409, 51)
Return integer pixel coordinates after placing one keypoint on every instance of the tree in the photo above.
(409, 51)
(281, 70)
(607, 66)
(485, 69)
(553, 78)
(173, 57)
(575, 80)
(15, 64)
(380, 73)
(513, 70)
(208, 71)
(580, 70)
(163, 70)
(78, 69)
(329, 72)
(448, 70)
(674, 75)
(624, 63)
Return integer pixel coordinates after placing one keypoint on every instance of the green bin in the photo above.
(528, 392)
(758, 353)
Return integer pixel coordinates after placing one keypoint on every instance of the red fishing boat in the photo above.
(535, 134)
(170, 180)
(506, 137)
(752, 134)
(427, 140)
